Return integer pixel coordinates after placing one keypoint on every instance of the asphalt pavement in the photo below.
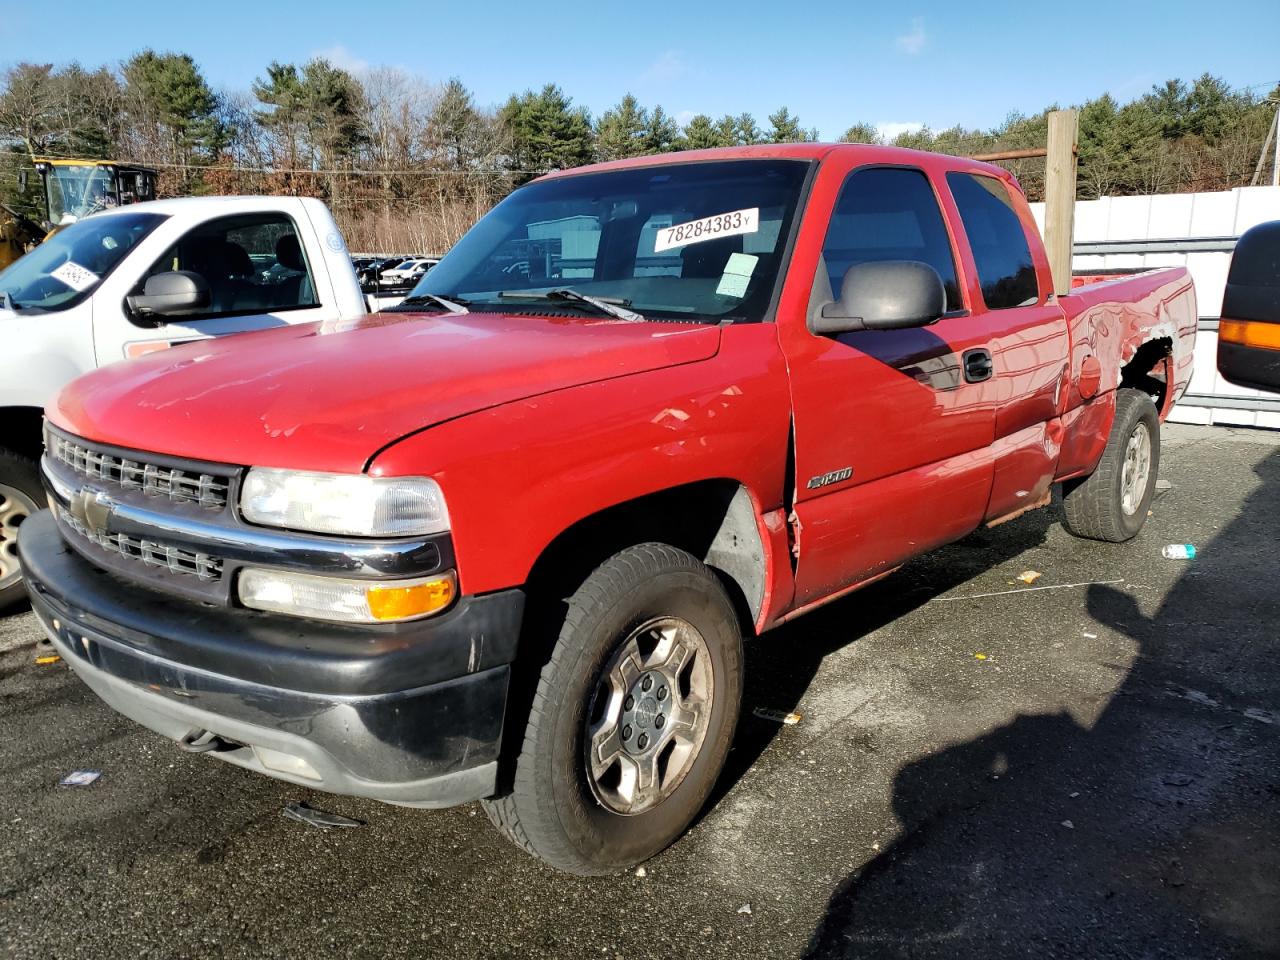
(983, 768)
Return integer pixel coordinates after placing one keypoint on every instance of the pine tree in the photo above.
(700, 133)
(662, 133)
(862, 133)
(454, 124)
(621, 131)
(168, 90)
(746, 130)
(546, 132)
(785, 128)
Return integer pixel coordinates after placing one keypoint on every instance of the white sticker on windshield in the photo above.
(737, 274)
(76, 277)
(708, 228)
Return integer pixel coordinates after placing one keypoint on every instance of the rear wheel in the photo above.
(1112, 502)
(20, 496)
(633, 715)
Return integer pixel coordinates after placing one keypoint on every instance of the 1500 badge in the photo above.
(835, 476)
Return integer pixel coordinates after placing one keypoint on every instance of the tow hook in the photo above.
(202, 741)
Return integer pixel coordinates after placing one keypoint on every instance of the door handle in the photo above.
(978, 365)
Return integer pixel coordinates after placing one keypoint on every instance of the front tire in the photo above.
(1112, 502)
(20, 496)
(633, 715)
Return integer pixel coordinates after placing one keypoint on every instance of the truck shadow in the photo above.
(780, 666)
(1153, 830)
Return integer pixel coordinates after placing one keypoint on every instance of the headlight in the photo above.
(343, 503)
(347, 601)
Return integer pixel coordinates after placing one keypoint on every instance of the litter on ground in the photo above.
(318, 818)
(80, 778)
(778, 716)
(1029, 576)
(1056, 586)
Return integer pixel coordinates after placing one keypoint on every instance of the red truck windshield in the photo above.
(695, 241)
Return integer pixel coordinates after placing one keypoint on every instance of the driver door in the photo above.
(257, 273)
(892, 427)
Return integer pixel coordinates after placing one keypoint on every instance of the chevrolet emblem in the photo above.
(92, 508)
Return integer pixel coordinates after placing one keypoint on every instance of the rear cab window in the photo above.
(1001, 252)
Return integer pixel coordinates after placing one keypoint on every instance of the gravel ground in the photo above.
(1085, 771)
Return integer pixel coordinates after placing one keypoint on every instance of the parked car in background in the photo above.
(370, 275)
(421, 268)
(406, 272)
(141, 278)
(504, 543)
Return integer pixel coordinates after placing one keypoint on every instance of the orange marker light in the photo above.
(418, 600)
(1248, 333)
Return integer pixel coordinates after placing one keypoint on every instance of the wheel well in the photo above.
(1148, 370)
(21, 430)
(714, 520)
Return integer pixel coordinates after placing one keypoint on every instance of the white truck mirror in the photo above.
(175, 293)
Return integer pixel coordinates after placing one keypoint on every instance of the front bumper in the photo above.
(410, 714)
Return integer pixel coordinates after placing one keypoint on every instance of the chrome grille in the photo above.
(181, 486)
(150, 552)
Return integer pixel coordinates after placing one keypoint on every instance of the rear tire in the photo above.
(633, 715)
(1112, 502)
(20, 496)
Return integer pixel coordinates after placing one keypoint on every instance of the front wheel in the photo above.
(633, 715)
(20, 496)
(1112, 502)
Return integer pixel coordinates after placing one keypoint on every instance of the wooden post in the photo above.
(1060, 196)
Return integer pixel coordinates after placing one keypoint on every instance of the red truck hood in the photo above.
(329, 396)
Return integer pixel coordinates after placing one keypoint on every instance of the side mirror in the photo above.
(178, 293)
(1249, 331)
(884, 295)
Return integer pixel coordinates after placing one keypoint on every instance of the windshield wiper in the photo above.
(606, 305)
(452, 304)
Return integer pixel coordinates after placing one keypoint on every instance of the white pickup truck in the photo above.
(140, 278)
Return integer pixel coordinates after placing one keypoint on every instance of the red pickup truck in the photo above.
(505, 544)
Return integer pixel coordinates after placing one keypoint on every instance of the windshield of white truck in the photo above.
(71, 264)
(699, 241)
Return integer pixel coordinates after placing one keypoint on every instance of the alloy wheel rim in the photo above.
(1136, 470)
(649, 715)
(15, 506)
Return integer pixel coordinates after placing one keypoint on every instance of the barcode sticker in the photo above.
(729, 224)
(76, 277)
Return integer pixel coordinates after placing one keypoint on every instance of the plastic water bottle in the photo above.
(1179, 551)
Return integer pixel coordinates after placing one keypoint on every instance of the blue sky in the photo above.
(832, 63)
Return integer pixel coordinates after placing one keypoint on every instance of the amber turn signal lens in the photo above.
(406, 603)
(1249, 333)
(344, 600)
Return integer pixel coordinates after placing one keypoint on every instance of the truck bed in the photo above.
(1113, 319)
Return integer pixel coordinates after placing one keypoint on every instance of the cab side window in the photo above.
(889, 213)
(253, 263)
(998, 240)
